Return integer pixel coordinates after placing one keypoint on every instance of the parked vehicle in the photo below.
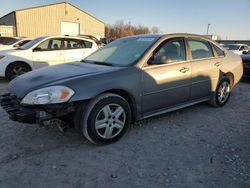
(246, 64)
(237, 48)
(127, 80)
(44, 51)
(4, 40)
(12, 44)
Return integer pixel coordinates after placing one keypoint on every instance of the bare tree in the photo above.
(155, 30)
(121, 29)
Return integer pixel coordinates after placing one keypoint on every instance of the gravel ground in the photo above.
(199, 146)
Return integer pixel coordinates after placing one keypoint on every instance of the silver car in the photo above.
(127, 80)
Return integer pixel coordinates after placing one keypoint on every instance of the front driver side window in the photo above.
(169, 52)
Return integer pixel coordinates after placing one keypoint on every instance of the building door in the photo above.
(69, 28)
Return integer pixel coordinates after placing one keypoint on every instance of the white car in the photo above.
(237, 48)
(44, 51)
(15, 43)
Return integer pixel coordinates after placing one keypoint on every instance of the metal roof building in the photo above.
(54, 19)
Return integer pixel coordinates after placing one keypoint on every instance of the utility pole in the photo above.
(208, 25)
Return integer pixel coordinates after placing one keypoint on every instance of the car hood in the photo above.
(44, 77)
(10, 51)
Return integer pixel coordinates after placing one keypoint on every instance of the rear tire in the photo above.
(223, 91)
(105, 119)
(16, 69)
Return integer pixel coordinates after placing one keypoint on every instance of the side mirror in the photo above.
(16, 46)
(37, 49)
(157, 60)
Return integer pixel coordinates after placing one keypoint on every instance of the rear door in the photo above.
(48, 52)
(205, 68)
(77, 49)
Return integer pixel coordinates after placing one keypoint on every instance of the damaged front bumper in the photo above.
(36, 114)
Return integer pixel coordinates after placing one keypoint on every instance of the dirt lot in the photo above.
(199, 146)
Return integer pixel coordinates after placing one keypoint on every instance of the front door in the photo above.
(166, 78)
(49, 52)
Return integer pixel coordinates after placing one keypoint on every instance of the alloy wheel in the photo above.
(110, 121)
(223, 92)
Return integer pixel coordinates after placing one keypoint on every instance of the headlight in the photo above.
(1, 56)
(48, 95)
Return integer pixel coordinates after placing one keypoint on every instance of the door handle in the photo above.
(217, 64)
(184, 70)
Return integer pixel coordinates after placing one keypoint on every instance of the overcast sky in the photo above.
(228, 18)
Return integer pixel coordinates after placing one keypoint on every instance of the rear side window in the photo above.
(76, 44)
(200, 49)
(87, 44)
(218, 51)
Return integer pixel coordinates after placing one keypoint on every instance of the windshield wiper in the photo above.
(97, 62)
(102, 63)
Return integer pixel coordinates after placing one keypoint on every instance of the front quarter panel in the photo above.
(126, 79)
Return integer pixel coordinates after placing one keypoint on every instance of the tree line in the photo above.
(121, 29)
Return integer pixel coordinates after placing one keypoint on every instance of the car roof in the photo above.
(172, 35)
(69, 37)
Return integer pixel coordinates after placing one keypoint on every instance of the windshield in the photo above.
(8, 41)
(31, 43)
(122, 52)
(232, 47)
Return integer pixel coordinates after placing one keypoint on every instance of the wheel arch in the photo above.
(230, 76)
(23, 62)
(128, 97)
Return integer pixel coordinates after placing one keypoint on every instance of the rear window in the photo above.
(218, 51)
(200, 49)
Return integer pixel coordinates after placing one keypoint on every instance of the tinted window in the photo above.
(22, 43)
(51, 44)
(200, 49)
(87, 44)
(76, 44)
(218, 51)
(232, 46)
(172, 51)
(8, 40)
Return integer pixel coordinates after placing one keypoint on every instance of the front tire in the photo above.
(105, 119)
(222, 94)
(16, 69)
